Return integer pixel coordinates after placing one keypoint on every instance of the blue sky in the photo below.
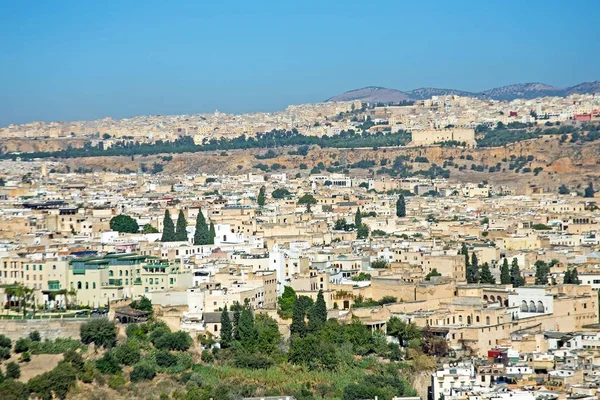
(73, 60)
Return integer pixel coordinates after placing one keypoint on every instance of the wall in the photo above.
(49, 329)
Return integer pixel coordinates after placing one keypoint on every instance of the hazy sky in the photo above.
(74, 60)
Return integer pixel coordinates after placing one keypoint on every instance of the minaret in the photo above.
(44, 171)
(140, 177)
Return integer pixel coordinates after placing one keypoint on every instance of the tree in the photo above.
(563, 189)
(571, 277)
(211, 233)
(402, 330)
(505, 273)
(143, 304)
(142, 372)
(124, 224)
(202, 234)
(168, 234)
(362, 232)
(432, 273)
(358, 218)
(269, 336)
(400, 207)
(127, 353)
(101, 332)
(280, 193)
(486, 275)
(298, 326)
(180, 341)
(226, 329)
(473, 269)
(261, 197)
(541, 272)
(181, 232)
(236, 307)
(148, 228)
(589, 191)
(35, 336)
(318, 315)
(515, 274)
(13, 371)
(108, 364)
(286, 302)
(308, 200)
(246, 329)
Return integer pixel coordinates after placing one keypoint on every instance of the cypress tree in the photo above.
(505, 273)
(246, 330)
(226, 329)
(168, 234)
(261, 196)
(515, 274)
(236, 308)
(541, 272)
(357, 219)
(486, 275)
(298, 326)
(574, 276)
(318, 316)
(211, 233)
(180, 231)
(473, 269)
(400, 207)
(202, 235)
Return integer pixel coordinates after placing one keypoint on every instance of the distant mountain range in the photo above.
(511, 92)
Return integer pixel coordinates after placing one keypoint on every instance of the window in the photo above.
(93, 285)
(79, 285)
(87, 285)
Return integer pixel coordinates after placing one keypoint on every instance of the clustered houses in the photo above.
(56, 239)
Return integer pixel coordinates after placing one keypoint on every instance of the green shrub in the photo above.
(58, 346)
(207, 356)
(117, 381)
(108, 364)
(57, 381)
(4, 353)
(13, 390)
(22, 345)
(35, 336)
(25, 357)
(165, 359)
(5, 342)
(75, 359)
(127, 354)
(13, 371)
(180, 341)
(101, 332)
(142, 372)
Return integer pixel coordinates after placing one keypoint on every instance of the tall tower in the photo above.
(44, 171)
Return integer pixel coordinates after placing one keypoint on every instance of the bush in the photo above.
(108, 364)
(165, 359)
(101, 332)
(58, 346)
(13, 371)
(180, 341)
(25, 357)
(35, 336)
(74, 358)
(4, 353)
(22, 345)
(134, 331)
(127, 354)
(13, 390)
(207, 356)
(117, 381)
(5, 342)
(142, 372)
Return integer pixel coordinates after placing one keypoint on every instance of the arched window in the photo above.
(460, 319)
(79, 285)
(111, 273)
(87, 285)
(485, 298)
(93, 285)
(468, 320)
(487, 320)
(499, 300)
(493, 299)
(120, 272)
(540, 307)
(477, 318)
(532, 307)
(524, 307)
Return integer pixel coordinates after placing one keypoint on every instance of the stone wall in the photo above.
(48, 328)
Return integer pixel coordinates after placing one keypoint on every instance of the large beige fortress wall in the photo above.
(48, 328)
(430, 136)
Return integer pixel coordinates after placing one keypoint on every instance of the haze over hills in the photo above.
(517, 91)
